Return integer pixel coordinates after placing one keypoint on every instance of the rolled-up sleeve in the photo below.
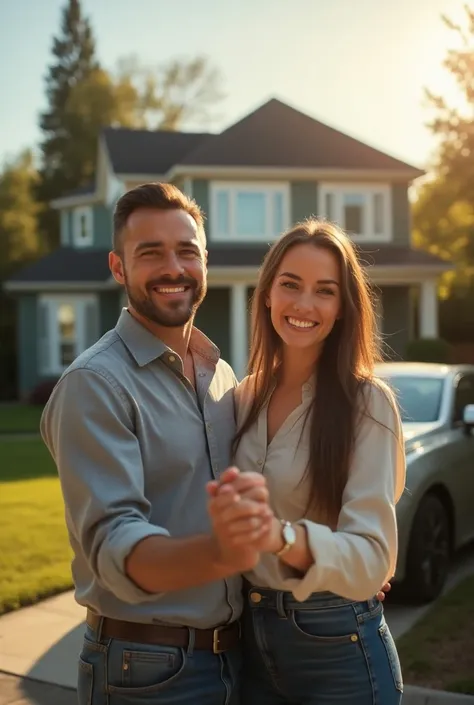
(88, 429)
(356, 559)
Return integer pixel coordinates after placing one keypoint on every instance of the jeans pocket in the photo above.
(139, 669)
(392, 655)
(85, 682)
(332, 626)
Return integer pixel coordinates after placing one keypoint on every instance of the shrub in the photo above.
(428, 350)
(41, 393)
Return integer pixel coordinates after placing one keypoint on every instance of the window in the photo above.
(67, 325)
(82, 226)
(363, 211)
(464, 395)
(419, 398)
(249, 212)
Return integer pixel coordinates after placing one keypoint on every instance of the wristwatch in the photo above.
(289, 536)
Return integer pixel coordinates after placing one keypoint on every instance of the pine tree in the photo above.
(62, 169)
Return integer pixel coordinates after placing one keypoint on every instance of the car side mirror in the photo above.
(468, 417)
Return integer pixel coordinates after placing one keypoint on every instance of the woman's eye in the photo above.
(289, 285)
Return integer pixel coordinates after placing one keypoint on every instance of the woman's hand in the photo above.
(239, 511)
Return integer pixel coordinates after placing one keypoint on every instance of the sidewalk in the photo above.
(42, 642)
(39, 646)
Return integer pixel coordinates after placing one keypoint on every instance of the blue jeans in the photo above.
(115, 672)
(325, 651)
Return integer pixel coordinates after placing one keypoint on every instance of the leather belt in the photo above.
(217, 640)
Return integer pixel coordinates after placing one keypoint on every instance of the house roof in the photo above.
(66, 264)
(149, 152)
(277, 135)
(379, 256)
(274, 135)
(70, 265)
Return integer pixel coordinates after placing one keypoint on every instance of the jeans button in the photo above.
(255, 597)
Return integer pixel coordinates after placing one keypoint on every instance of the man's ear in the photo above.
(116, 268)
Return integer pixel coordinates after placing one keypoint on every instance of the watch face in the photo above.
(289, 534)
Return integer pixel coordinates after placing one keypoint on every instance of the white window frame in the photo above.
(338, 190)
(233, 188)
(52, 303)
(78, 214)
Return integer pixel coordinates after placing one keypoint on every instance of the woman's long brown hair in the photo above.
(346, 363)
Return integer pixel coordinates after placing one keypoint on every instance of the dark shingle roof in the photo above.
(67, 264)
(147, 152)
(276, 135)
(384, 255)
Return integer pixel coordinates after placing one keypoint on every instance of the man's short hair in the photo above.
(159, 196)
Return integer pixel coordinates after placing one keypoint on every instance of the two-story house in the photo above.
(272, 168)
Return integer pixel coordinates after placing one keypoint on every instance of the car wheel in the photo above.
(429, 551)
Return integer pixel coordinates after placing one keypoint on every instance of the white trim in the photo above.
(238, 329)
(84, 199)
(87, 213)
(52, 302)
(428, 313)
(368, 190)
(290, 173)
(232, 188)
(188, 187)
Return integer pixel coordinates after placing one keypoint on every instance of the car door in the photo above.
(463, 456)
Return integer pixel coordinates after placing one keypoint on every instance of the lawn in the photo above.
(15, 418)
(438, 651)
(34, 549)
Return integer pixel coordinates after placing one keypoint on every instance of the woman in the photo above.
(326, 435)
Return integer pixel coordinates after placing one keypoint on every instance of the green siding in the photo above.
(102, 227)
(304, 200)
(401, 215)
(201, 196)
(109, 310)
(65, 226)
(213, 319)
(27, 344)
(397, 320)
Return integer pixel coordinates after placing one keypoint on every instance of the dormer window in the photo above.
(82, 226)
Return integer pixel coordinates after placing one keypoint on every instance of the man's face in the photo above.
(163, 265)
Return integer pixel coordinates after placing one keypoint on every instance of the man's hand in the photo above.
(240, 516)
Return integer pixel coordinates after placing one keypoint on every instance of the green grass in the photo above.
(15, 418)
(438, 651)
(34, 550)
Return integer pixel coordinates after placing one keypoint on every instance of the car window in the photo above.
(419, 398)
(464, 395)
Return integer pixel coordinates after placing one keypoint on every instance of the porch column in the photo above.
(428, 315)
(238, 329)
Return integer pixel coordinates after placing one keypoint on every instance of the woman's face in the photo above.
(305, 297)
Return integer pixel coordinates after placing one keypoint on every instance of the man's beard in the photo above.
(175, 313)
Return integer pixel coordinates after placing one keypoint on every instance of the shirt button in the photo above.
(259, 461)
(202, 374)
(171, 358)
(209, 426)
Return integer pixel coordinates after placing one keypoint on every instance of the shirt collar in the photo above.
(146, 347)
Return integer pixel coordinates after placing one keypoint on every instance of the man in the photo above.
(137, 426)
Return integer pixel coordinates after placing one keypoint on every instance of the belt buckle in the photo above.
(215, 640)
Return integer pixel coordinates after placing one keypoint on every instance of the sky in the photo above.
(360, 66)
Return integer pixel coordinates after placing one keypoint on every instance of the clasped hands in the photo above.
(243, 522)
(244, 525)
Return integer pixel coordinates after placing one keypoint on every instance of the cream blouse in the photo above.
(356, 559)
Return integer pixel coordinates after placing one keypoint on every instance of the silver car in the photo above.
(436, 511)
